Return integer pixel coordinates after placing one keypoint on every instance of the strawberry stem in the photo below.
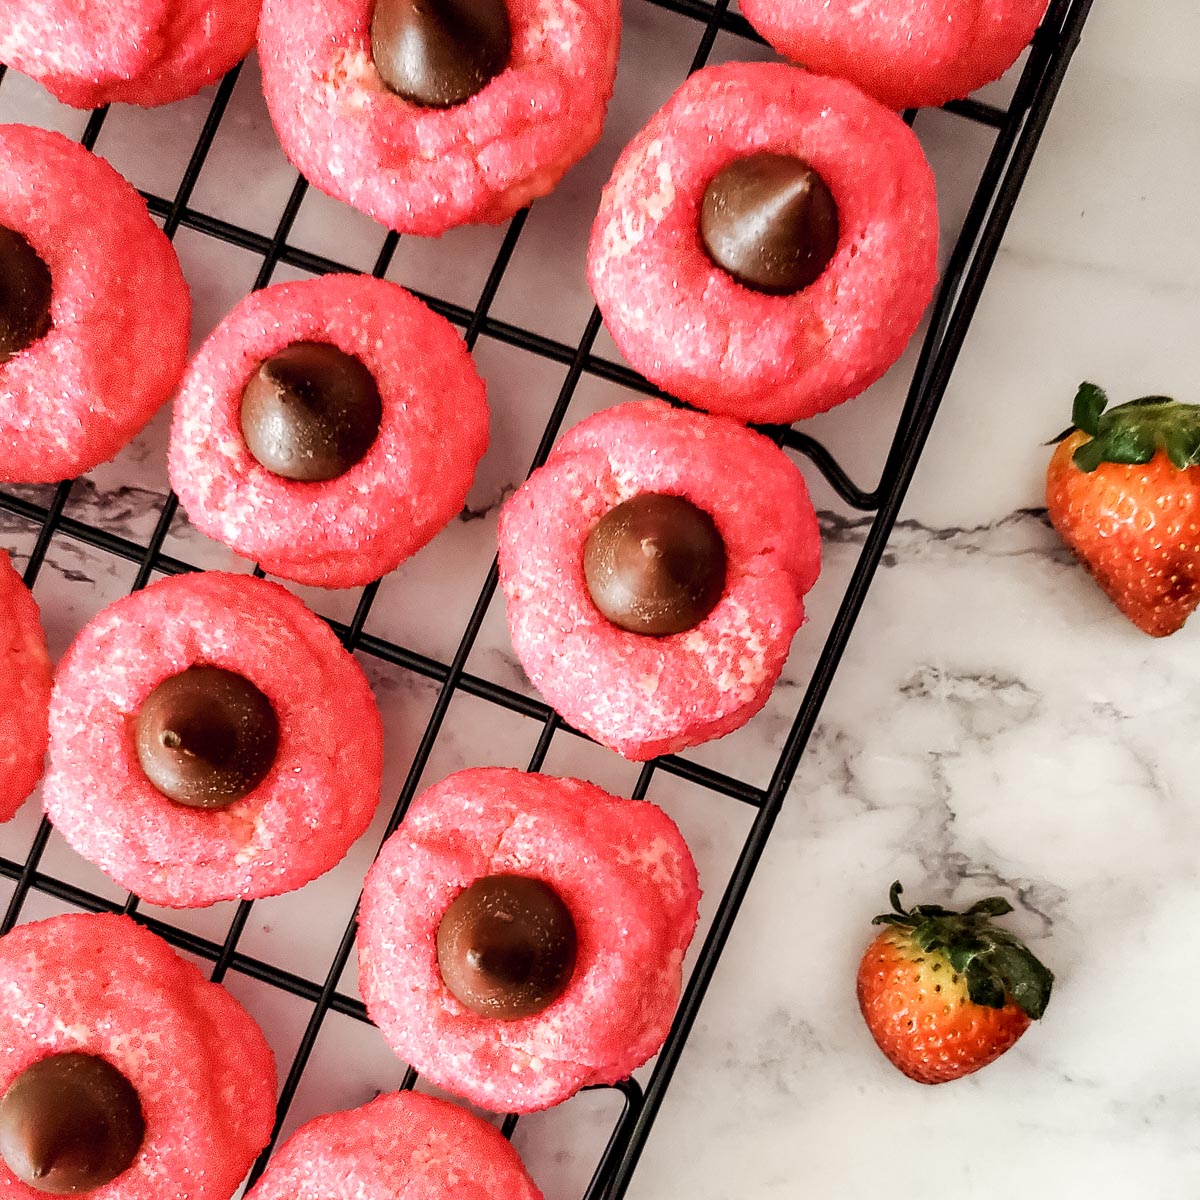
(999, 968)
(1133, 433)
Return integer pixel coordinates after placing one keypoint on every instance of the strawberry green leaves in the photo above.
(1134, 433)
(1014, 970)
(1090, 402)
(997, 965)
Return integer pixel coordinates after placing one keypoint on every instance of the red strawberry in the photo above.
(1123, 491)
(946, 993)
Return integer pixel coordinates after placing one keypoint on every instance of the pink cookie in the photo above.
(148, 52)
(624, 874)
(413, 476)
(119, 309)
(904, 52)
(24, 691)
(646, 695)
(103, 986)
(421, 169)
(315, 786)
(404, 1144)
(697, 332)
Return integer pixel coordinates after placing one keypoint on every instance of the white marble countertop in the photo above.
(995, 726)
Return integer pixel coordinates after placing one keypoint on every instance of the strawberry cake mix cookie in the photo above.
(904, 52)
(521, 936)
(655, 570)
(124, 1073)
(328, 429)
(24, 691)
(210, 739)
(94, 311)
(767, 245)
(403, 1144)
(428, 114)
(148, 52)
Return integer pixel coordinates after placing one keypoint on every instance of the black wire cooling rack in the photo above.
(1017, 130)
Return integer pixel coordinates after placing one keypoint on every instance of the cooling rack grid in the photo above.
(37, 517)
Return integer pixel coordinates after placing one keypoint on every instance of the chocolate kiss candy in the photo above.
(440, 52)
(70, 1123)
(655, 565)
(310, 412)
(771, 222)
(506, 946)
(206, 737)
(25, 294)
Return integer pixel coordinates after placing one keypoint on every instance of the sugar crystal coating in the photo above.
(351, 529)
(696, 332)
(24, 691)
(402, 1144)
(324, 783)
(148, 52)
(643, 696)
(120, 313)
(625, 874)
(101, 984)
(905, 53)
(424, 170)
